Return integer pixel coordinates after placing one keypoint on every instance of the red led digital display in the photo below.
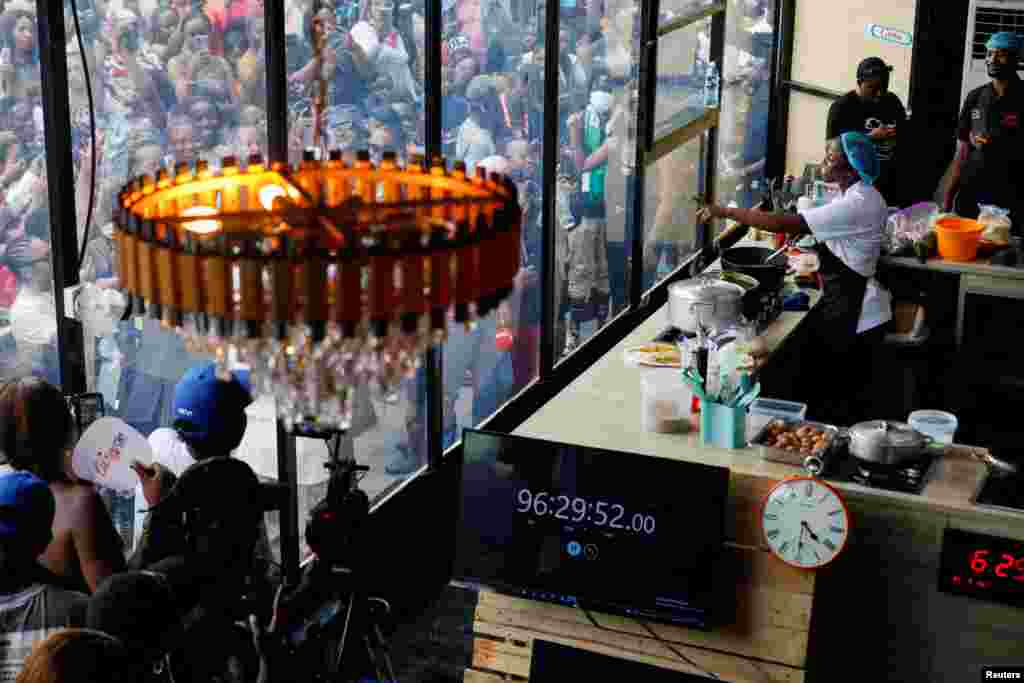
(982, 566)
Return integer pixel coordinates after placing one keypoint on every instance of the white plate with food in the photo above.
(654, 354)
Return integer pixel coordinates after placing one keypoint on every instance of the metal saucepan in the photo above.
(705, 301)
(886, 444)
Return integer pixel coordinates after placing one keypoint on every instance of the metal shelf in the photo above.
(678, 130)
(688, 19)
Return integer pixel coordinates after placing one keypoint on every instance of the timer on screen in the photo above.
(575, 509)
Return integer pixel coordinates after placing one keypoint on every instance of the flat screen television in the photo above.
(604, 530)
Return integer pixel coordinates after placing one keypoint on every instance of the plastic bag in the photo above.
(997, 223)
(907, 226)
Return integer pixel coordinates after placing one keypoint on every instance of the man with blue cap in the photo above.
(32, 606)
(848, 324)
(990, 138)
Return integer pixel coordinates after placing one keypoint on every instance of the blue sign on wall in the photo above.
(889, 35)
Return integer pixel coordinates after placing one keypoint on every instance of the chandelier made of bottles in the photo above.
(319, 277)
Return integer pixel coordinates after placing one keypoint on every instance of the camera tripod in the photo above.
(327, 626)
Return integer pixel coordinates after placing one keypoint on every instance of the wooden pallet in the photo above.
(765, 641)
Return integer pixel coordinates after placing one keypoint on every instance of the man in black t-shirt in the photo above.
(990, 138)
(874, 111)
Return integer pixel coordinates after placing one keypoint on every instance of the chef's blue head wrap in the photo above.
(1003, 41)
(861, 154)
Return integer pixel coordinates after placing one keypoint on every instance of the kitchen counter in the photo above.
(976, 277)
(884, 587)
(608, 393)
(941, 266)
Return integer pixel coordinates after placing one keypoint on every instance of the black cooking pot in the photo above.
(751, 261)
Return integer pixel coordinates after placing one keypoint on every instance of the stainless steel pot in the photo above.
(886, 443)
(705, 300)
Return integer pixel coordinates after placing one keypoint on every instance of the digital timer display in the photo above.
(982, 566)
(571, 509)
(611, 531)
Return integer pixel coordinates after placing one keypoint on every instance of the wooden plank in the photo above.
(778, 645)
(755, 567)
(743, 514)
(473, 676)
(501, 657)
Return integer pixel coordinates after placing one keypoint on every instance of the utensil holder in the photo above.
(722, 425)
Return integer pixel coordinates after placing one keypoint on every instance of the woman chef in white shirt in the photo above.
(849, 321)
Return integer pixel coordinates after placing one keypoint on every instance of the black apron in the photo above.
(831, 380)
(842, 298)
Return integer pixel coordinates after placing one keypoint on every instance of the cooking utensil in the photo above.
(749, 397)
(753, 261)
(704, 301)
(998, 464)
(886, 443)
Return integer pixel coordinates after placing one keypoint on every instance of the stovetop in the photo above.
(910, 478)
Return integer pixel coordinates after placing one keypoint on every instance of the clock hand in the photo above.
(814, 537)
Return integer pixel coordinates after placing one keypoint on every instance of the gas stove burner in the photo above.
(910, 478)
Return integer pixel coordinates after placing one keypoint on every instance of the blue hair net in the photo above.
(861, 154)
(1003, 41)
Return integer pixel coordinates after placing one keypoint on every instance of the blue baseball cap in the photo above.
(207, 404)
(26, 505)
(1004, 40)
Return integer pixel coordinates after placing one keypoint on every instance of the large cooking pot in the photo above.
(886, 443)
(751, 261)
(704, 299)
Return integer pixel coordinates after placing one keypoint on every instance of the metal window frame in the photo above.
(554, 373)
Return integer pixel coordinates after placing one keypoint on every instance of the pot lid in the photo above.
(897, 434)
(705, 288)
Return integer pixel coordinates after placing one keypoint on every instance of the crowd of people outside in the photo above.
(180, 80)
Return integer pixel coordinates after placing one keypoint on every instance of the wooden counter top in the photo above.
(601, 408)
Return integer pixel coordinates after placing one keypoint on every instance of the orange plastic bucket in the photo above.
(958, 238)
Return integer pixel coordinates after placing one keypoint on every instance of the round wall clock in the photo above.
(805, 522)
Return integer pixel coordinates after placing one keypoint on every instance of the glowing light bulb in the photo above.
(203, 227)
(268, 193)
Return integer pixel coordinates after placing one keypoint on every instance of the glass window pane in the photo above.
(171, 82)
(372, 69)
(746, 99)
(670, 213)
(28, 317)
(682, 67)
(493, 117)
(597, 114)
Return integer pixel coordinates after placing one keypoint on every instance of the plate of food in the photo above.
(655, 354)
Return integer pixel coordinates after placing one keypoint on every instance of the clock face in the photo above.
(805, 523)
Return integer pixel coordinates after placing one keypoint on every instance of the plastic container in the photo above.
(664, 402)
(764, 410)
(958, 238)
(722, 426)
(937, 424)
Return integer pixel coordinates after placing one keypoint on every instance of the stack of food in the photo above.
(803, 439)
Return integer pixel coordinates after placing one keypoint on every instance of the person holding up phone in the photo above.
(874, 111)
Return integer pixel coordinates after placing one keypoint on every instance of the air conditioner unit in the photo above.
(985, 18)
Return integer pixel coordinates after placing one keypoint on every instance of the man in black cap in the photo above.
(874, 111)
